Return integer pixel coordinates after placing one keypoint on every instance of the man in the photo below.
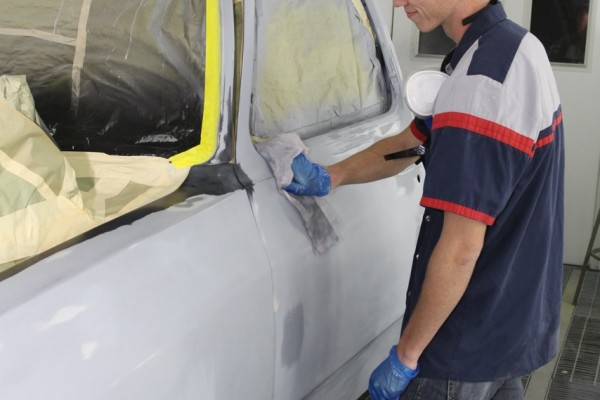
(483, 302)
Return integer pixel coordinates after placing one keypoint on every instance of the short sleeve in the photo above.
(421, 128)
(470, 173)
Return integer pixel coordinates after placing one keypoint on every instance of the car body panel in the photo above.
(162, 308)
(330, 306)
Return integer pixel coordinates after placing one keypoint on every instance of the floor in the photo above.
(575, 373)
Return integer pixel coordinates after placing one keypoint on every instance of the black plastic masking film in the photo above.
(140, 87)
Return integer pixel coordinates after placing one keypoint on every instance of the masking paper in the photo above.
(48, 196)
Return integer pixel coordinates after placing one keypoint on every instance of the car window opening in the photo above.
(313, 80)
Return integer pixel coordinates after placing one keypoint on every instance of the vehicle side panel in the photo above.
(328, 307)
(177, 305)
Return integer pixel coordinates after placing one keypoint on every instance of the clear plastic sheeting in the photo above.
(316, 68)
(49, 196)
(119, 77)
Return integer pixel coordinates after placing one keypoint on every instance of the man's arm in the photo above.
(370, 164)
(448, 273)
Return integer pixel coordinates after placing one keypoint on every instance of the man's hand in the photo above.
(310, 179)
(390, 378)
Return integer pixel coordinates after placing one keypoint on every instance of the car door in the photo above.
(326, 72)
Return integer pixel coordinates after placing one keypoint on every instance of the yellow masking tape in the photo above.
(212, 94)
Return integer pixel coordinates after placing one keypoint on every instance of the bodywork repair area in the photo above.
(146, 249)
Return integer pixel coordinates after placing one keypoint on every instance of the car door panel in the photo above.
(328, 307)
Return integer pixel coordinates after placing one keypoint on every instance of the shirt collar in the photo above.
(488, 18)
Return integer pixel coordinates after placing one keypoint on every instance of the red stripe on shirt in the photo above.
(545, 141)
(458, 209)
(557, 121)
(416, 132)
(486, 128)
(550, 138)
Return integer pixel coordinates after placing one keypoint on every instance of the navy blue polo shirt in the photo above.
(496, 155)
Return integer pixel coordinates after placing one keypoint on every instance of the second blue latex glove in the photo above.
(390, 378)
(310, 179)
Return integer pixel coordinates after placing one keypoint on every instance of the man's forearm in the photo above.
(370, 165)
(448, 273)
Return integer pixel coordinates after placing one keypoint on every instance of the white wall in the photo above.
(580, 94)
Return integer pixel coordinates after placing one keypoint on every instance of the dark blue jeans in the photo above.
(437, 389)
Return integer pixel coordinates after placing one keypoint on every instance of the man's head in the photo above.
(429, 14)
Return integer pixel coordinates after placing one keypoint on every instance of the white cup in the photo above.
(422, 89)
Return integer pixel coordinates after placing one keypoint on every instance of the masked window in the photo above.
(117, 77)
(317, 67)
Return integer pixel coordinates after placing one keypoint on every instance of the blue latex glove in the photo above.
(310, 179)
(390, 378)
